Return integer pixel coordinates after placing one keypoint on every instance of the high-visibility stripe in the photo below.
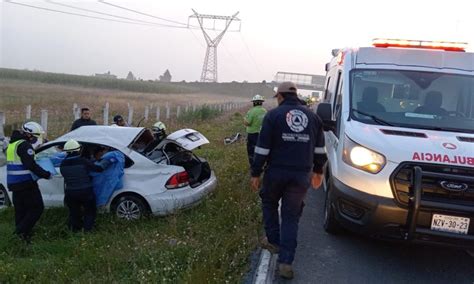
(16, 171)
(262, 151)
(319, 150)
(19, 173)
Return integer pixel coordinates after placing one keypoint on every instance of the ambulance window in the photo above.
(336, 90)
(337, 98)
(327, 89)
(338, 106)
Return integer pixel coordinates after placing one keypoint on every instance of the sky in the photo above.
(291, 36)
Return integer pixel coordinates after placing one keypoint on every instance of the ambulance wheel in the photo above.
(130, 207)
(4, 200)
(331, 225)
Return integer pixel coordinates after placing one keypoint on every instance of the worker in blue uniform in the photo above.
(291, 145)
(21, 169)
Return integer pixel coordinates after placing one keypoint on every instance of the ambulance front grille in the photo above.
(432, 189)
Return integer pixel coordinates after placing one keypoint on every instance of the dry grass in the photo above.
(59, 100)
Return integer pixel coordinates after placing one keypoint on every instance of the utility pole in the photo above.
(209, 68)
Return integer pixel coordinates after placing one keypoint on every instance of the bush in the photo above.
(202, 113)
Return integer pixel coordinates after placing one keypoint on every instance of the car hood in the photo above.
(187, 138)
(408, 144)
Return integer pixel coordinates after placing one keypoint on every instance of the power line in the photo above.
(105, 14)
(74, 14)
(250, 54)
(141, 13)
(196, 38)
(236, 62)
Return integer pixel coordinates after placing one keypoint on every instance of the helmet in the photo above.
(159, 130)
(72, 145)
(33, 128)
(258, 98)
(159, 126)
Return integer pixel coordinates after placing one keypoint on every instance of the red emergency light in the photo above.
(403, 43)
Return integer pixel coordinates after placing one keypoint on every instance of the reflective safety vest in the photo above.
(16, 172)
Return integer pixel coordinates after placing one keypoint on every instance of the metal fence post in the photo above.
(167, 111)
(147, 111)
(130, 115)
(178, 110)
(158, 113)
(44, 119)
(106, 114)
(28, 112)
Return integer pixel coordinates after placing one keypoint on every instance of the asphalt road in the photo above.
(349, 258)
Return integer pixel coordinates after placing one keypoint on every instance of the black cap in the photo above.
(117, 118)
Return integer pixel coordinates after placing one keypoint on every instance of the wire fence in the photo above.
(57, 122)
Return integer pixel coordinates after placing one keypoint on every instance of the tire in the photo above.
(331, 225)
(4, 200)
(130, 207)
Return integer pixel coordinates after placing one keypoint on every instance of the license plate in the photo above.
(450, 224)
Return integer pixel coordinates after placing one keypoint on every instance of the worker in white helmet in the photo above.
(159, 133)
(78, 188)
(253, 121)
(21, 166)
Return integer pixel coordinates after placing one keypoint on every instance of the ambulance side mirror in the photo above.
(324, 111)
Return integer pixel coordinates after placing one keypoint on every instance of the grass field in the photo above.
(207, 244)
(15, 95)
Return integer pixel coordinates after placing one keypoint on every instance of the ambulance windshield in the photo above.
(413, 99)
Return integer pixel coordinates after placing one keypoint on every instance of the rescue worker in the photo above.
(291, 143)
(159, 133)
(119, 121)
(253, 121)
(41, 139)
(78, 189)
(21, 164)
(84, 120)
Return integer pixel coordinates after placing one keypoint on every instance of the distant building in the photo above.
(130, 76)
(106, 75)
(166, 77)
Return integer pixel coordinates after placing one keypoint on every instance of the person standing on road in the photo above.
(84, 120)
(253, 122)
(78, 188)
(21, 164)
(291, 143)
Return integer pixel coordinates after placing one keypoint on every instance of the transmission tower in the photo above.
(209, 68)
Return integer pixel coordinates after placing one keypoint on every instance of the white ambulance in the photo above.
(399, 130)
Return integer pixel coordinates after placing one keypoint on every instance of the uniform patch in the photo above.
(30, 152)
(296, 120)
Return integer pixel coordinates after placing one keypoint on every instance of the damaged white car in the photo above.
(159, 181)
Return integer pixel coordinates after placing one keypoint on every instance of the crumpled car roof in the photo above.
(114, 136)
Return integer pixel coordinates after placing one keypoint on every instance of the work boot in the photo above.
(285, 271)
(264, 243)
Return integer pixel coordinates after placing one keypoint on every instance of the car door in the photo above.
(51, 189)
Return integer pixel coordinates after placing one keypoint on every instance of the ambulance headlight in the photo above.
(362, 158)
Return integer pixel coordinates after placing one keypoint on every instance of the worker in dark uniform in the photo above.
(291, 143)
(78, 188)
(21, 165)
(84, 120)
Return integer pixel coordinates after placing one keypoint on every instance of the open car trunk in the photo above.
(176, 150)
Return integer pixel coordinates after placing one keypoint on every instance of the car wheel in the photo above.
(331, 225)
(130, 207)
(4, 201)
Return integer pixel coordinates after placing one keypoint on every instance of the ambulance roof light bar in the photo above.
(403, 43)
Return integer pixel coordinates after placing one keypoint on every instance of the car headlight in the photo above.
(362, 158)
